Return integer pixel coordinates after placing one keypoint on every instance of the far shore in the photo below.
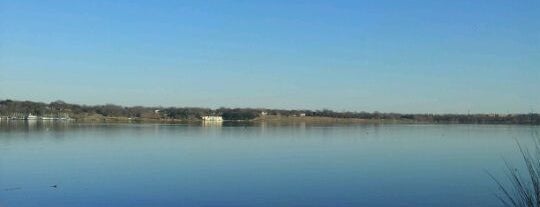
(59, 110)
(272, 119)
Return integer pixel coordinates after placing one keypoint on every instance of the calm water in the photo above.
(260, 165)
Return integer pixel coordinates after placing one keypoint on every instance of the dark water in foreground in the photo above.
(261, 165)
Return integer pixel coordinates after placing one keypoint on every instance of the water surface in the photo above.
(253, 165)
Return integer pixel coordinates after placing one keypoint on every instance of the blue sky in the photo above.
(391, 56)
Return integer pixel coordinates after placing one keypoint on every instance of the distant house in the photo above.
(302, 114)
(212, 118)
(264, 113)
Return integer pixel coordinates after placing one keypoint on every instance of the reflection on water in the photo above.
(37, 125)
(212, 123)
(59, 125)
(252, 164)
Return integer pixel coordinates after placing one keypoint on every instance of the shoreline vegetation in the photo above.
(523, 183)
(60, 110)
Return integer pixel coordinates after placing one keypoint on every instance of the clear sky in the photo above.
(392, 56)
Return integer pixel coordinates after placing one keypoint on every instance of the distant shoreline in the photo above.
(59, 110)
(282, 120)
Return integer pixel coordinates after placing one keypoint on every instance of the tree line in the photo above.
(8, 107)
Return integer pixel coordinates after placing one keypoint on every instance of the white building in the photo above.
(212, 118)
(31, 117)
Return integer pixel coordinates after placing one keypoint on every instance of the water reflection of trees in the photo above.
(33, 125)
(212, 129)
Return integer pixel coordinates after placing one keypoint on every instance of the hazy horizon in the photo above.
(404, 57)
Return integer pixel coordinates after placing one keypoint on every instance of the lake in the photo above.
(258, 164)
